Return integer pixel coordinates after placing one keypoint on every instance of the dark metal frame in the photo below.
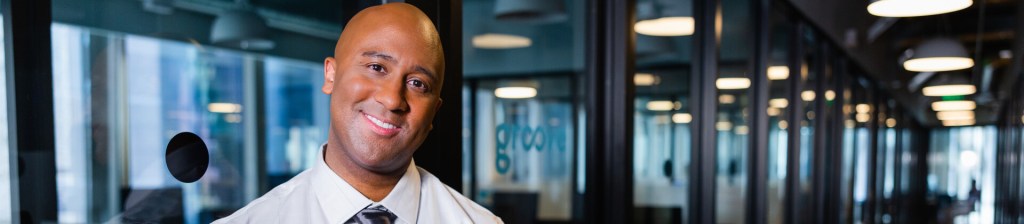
(27, 26)
(757, 170)
(705, 72)
(609, 95)
(445, 142)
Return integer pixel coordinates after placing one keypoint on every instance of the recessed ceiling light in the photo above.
(778, 72)
(778, 103)
(500, 41)
(224, 107)
(863, 108)
(726, 99)
(953, 105)
(958, 123)
(732, 83)
(807, 95)
(515, 92)
(863, 118)
(949, 90)
(660, 105)
(666, 26)
(955, 115)
(912, 8)
(682, 118)
(890, 122)
(723, 126)
(645, 79)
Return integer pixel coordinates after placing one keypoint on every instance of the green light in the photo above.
(951, 98)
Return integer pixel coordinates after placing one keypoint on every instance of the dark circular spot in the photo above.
(187, 157)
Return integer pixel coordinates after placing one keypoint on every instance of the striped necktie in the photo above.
(376, 214)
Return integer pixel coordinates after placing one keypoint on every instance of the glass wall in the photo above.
(961, 175)
(6, 155)
(524, 112)
(779, 88)
(662, 113)
(734, 112)
(119, 98)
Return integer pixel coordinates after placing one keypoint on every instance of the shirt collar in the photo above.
(340, 201)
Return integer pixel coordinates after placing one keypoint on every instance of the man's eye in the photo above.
(418, 84)
(377, 68)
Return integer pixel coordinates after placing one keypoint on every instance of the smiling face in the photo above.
(385, 82)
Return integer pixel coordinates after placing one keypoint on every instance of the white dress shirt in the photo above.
(318, 195)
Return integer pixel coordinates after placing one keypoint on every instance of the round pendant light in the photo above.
(949, 84)
(938, 55)
(241, 29)
(674, 19)
(913, 8)
(539, 11)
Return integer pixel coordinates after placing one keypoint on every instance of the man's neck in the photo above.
(373, 185)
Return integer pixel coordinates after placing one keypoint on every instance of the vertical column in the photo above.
(758, 168)
(610, 91)
(29, 65)
(703, 101)
(792, 198)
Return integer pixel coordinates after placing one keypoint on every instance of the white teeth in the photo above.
(380, 123)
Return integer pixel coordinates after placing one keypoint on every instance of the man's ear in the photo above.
(329, 75)
(436, 108)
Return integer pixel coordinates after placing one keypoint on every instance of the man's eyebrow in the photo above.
(425, 71)
(374, 54)
(386, 57)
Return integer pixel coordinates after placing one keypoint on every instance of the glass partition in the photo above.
(662, 113)
(522, 78)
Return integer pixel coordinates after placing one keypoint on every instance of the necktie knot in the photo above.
(374, 214)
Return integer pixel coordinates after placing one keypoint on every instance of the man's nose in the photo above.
(392, 95)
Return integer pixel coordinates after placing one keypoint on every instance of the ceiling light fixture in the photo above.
(778, 103)
(949, 90)
(645, 79)
(937, 55)
(807, 95)
(957, 123)
(673, 19)
(953, 105)
(241, 28)
(224, 108)
(500, 41)
(955, 115)
(778, 72)
(912, 8)
(661, 105)
(539, 11)
(682, 118)
(732, 83)
(516, 92)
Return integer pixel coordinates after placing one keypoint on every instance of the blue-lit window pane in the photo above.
(296, 117)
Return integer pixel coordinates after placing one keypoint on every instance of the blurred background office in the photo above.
(556, 111)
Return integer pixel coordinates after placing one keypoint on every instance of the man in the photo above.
(385, 84)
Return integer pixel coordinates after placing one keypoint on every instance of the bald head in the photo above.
(396, 20)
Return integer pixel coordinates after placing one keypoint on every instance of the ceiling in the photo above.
(877, 44)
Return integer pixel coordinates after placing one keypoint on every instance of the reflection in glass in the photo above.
(295, 115)
(5, 154)
(662, 117)
(119, 98)
(521, 108)
(778, 112)
(732, 123)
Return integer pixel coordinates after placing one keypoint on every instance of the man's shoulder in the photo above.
(287, 195)
(446, 195)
